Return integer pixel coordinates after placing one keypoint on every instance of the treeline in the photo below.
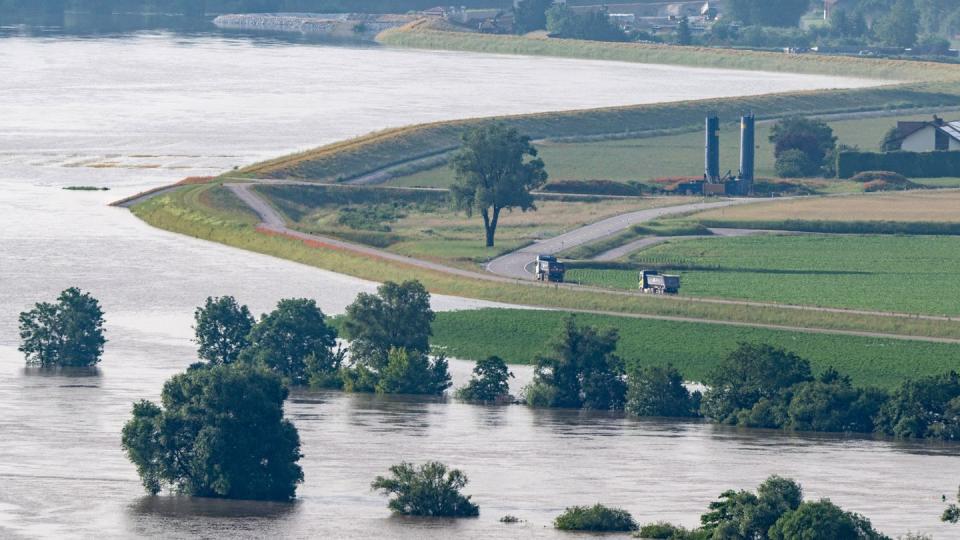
(756, 386)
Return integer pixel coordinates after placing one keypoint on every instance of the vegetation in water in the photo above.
(295, 342)
(659, 391)
(389, 335)
(430, 489)
(490, 381)
(86, 188)
(222, 328)
(218, 432)
(776, 511)
(596, 518)
(68, 333)
(581, 370)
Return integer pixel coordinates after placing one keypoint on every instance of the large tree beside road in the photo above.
(493, 174)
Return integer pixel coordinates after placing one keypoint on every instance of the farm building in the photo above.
(936, 134)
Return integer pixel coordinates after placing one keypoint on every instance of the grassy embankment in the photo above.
(693, 348)
(640, 159)
(213, 213)
(422, 223)
(914, 274)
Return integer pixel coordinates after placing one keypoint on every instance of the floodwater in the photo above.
(136, 111)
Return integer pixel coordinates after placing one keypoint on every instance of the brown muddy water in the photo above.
(136, 111)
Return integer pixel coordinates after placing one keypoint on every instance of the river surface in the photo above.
(131, 112)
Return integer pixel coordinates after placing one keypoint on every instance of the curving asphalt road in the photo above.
(517, 264)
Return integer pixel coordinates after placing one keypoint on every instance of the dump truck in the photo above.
(653, 282)
(550, 269)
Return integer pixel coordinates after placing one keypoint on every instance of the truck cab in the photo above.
(653, 282)
(550, 269)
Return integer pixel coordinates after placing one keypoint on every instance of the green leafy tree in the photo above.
(814, 138)
(582, 372)
(767, 13)
(823, 519)
(68, 333)
(752, 374)
(900, 26)
(594, 25)
(795, 164)
(397, 317)
(927, 407)
(221, 327)
(219, 432)
(596, 518)
(745, 515)
(659, 391)
(490, 381)
(413, 373)
(294, 341)
(426, 490)
(493, 175)
(530, 15)
(684, 35)
(831, 403)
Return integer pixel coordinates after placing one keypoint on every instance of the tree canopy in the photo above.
(412, 372)
(490, 381)
(426, 490)
(596, 518)
(594, 25)
(823, 519)
(583, 371)
(900, 26)
(294, 341)
(222, 327)
(398, 316)
(530, 15)
(68, 333)
(927, 407)
(493, 174)
(802, 145)
(659, 391)
(219, 432)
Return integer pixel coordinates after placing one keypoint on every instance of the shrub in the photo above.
(662, 530)
(795, 164)
(823, 519)
(427, 490)
(596, 518)
(412, 372)
(490, 382)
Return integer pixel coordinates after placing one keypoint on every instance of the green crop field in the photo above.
(912, 274)
(642, 159)
(519, 335)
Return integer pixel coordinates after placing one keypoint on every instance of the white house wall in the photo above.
(924, 140)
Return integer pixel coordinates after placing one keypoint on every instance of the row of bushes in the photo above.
(595, 187)
(842, 227)
(912, 164)
(755, 386)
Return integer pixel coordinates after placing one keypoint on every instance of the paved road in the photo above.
(516, 264)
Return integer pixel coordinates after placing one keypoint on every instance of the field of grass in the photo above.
(941, 206)
(676, 155)
(189, 211)
(914, 274)
(422, 224)
(519, 335)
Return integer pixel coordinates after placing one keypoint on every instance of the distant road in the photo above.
(516, 264)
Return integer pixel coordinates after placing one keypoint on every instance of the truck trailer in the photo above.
(550, 269)
(654, 282)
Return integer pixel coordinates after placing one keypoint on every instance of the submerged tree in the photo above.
(413, 373)
(68, 333)
(490, 381)
(219, 432)
(582, 371)
(659, 391)
(295, 342)
(222, 327)
(493, 175)
(426, 490)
